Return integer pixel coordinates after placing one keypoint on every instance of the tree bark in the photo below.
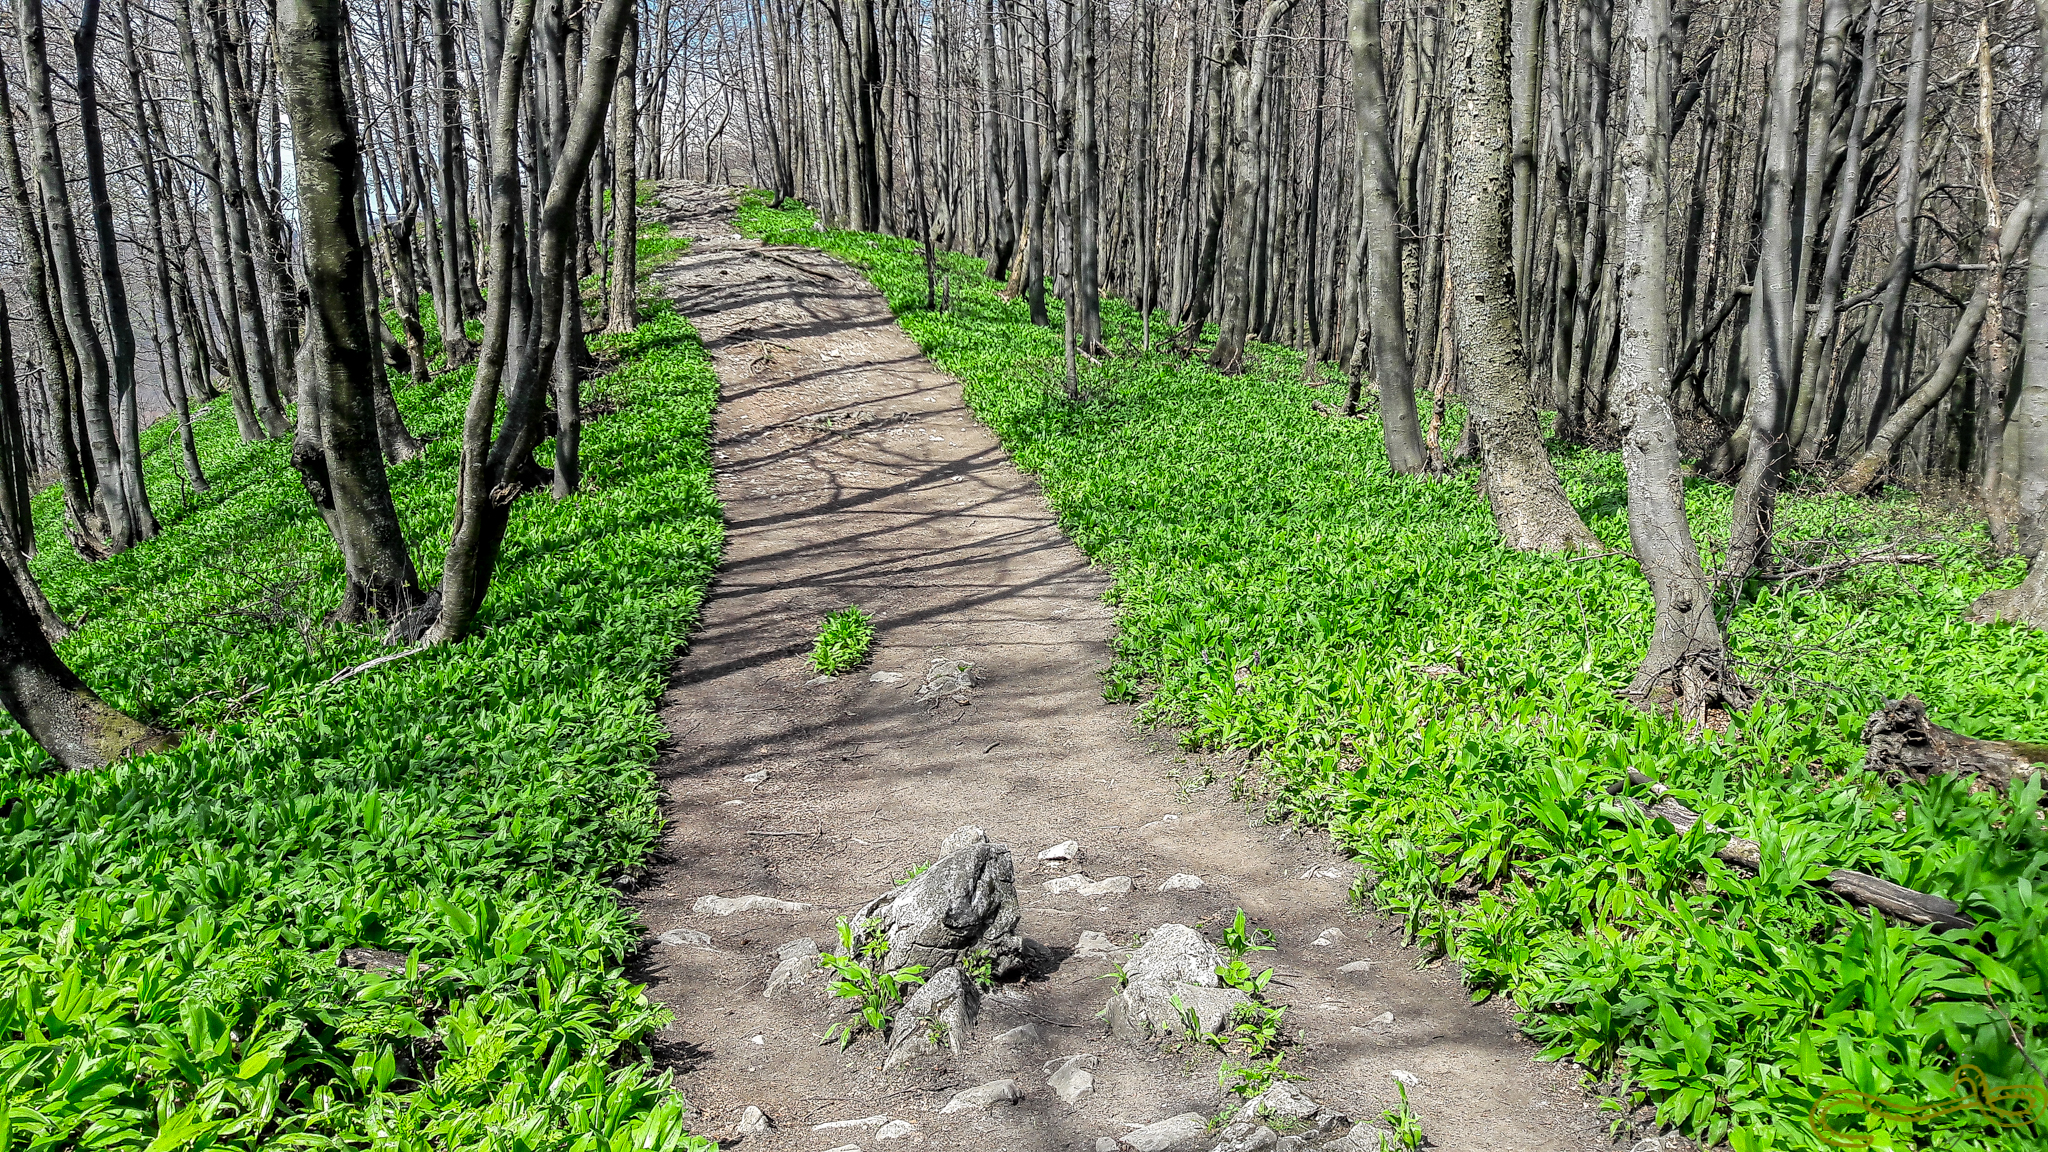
(1529, 503)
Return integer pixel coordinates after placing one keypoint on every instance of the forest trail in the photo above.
(852, 472)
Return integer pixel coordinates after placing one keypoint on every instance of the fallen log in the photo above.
(1856, 887)
(1901, 742)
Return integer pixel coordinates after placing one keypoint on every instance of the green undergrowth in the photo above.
(172, 930)
(1447, 709)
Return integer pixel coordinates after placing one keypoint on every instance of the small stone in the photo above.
(1181, 881)
(733, 803)
(1019, 1038)
(1094, 944)
(895, 1130)
(753, 1122)
(1066, 851)
(886, 678)
(1356, 966)
(1243, 1137)
(984, 1096)
(814, 681)
(1282, 1100)
(1385, 1019)
(726, 906)
(1330, 938)
(1290, 1144)
(757, 1039)
(685, 938)
(1105, 1144)
(1065, 884)
(799, 964)
(1070, 1079)
(839, 1125)
(1114, 886)
(1408, 1079)
(1163, 824)
(760, 777)
(1175, 1132)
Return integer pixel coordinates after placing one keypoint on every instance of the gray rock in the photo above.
(886, 678)
(1062, 885)
(1114, 886)
(1174, 969)
(1356, 966)
(814, 681)
(1291, 1144)
(1665, 1144)
(964, 837)
(798, 970)
(1066, 851)
(946, 679)
(1383, 1020)
(760, 777)
(984, 1096)
(948, 1000)
(895, 1130)
(965, 901)
(1282, 1101)
(1330, 938)
(1071, 1079)
(1181, 882)
(1408, 1080)
(726, 906)
(685, 938)
(1244, 1137)
(1105, 1144)
(753, 1122)
(1183, 1131)
(1094, 944)
(1008, 1050)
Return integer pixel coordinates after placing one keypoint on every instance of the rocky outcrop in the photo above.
(965, 902)
(1169, 979)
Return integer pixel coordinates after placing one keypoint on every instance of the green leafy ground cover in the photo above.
(171, 927)
(1281, 590)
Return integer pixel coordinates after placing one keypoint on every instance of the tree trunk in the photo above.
(1864, 475)
(624, 312)
(1529, 503)
(1380, 224)
(87, 531)
(1774, 308)
(1686, 664)
(337, 451)
(1240, 224)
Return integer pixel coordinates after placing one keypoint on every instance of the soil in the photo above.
(852, 473)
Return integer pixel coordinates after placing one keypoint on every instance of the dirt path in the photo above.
(852, 472)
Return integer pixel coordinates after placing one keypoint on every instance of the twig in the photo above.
(778, 832)
(350, 673)
(1834, 568)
